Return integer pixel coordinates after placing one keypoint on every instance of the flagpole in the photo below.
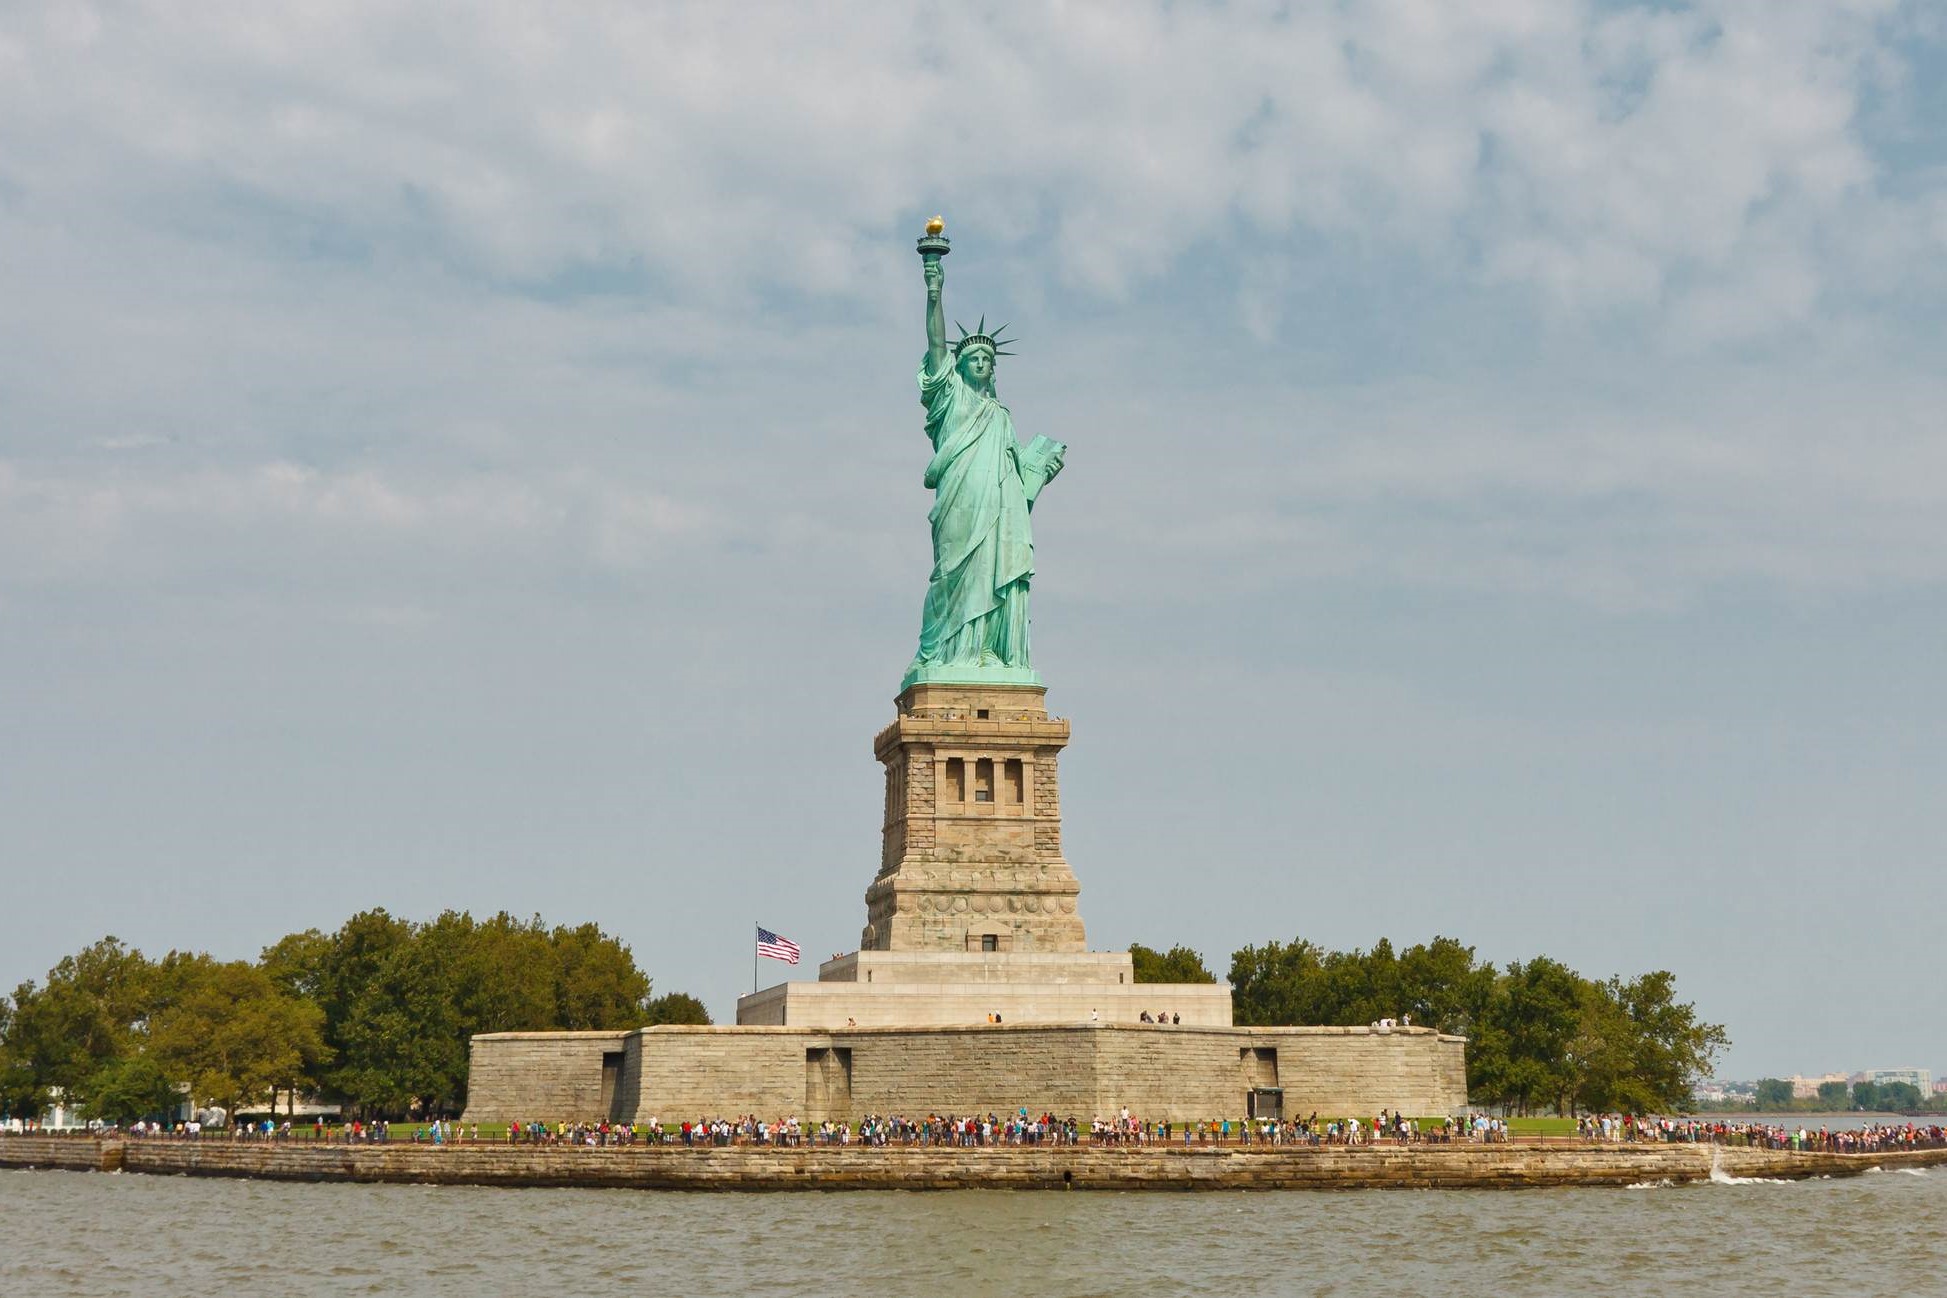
(753, 959)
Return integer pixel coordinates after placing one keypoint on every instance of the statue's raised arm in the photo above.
(935, 272)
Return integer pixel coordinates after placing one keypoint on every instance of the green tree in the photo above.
(1774, 1093)
(298, 963)
(1279, 984)
(1664, 1050)
(93, 1010)
(505, 975)
(1177, 965)
(402, 1000)
(362, 1029)
(129, 1089)
(600, 986)
(1602, 1055)
(1441, 985)
(404, 1041)
(20, 1096)
(679, 1008)
(1834, 1095)
(1899, 1096)
(230, 1032)
(1535, 1018)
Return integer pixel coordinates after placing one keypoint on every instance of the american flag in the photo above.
(777, 948)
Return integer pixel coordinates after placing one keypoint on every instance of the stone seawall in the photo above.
(63, 1153)
(1514, 1166)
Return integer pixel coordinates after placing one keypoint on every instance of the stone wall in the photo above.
(1045, 1167)
(1362, 1070)
(1095, 968)
(691, 1073)
(61, 1153)
(541, 1076)
(1085, 1070)
(915, 1072)
(1168, 1074)
(829, 1005)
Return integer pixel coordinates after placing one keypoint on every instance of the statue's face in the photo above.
(977, 366)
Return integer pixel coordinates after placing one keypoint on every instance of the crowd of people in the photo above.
(1021, 1127)
(1018, 1128)
(1123, 1130)
(358, 1131)
(1870, 1139)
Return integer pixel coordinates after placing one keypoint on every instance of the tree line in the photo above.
(1774, 1095)
(375, 1017)
(1539, 1035)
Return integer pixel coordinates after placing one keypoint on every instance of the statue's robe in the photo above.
(983, 555)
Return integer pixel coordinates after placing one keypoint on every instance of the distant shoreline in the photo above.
(659, 1167)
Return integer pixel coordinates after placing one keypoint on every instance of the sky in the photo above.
(468, 457)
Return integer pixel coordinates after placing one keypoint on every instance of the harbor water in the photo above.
(91, 1235)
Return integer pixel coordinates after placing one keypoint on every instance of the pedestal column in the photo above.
(972, 840)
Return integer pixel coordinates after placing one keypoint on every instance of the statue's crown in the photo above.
(981, 338)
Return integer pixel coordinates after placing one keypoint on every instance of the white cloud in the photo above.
(581, 286)
(96, 524)
(1601, 157)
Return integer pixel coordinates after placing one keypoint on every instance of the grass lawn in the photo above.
(1541, 1126)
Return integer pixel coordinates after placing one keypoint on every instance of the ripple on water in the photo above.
(76, 1235)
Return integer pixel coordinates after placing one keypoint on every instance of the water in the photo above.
(74, 1234)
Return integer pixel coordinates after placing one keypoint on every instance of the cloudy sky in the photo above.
(467, 456)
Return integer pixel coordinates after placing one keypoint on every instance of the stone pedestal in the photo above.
(972, 917)
(971, 858)
(937, 988)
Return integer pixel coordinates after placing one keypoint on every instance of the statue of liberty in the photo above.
(974, 626)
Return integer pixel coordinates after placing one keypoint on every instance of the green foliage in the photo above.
(1177, 965)
(20, 1095)
(129, 1089)
(1899, 1095)
(401, 1000)
(1539, 1034)
(1642, 1049)
(92, 1011)
(1834, 1095)
(1774, 1093)
(296, 963)
(230, 1031)
(1892, 1097)
(677, 1008)
(1436, 985)
(376, 1015)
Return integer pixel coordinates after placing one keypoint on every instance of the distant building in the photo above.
(1920, 1079)
(1807, 1088)
(289, 1104)
(1940, 1087)
(61, 1113)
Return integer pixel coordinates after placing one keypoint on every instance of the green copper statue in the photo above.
(975, 624)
